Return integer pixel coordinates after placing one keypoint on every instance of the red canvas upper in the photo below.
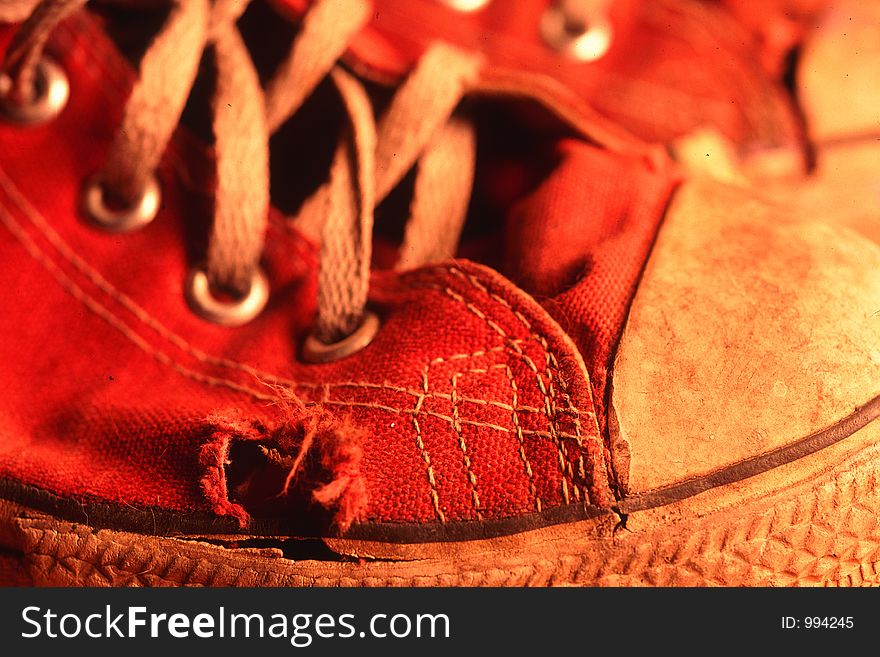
(474, 401)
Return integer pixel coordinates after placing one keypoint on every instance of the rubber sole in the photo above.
(804, 523)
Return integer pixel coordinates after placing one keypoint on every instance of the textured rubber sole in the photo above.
(803, 524)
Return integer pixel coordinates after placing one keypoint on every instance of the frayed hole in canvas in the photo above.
(303, 465)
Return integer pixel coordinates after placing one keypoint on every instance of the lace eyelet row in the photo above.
(200, 297)
(51, 94)
(581, 41)
(198, 291)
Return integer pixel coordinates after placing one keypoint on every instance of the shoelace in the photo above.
(372, 157)
(417, 130)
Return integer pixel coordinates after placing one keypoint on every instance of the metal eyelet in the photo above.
(315, 351)
(465, 6)
(583, 41)
(50, 96)
(226, 313)
(124, 220)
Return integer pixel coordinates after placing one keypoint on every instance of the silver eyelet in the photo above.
(585, 42)
(124, 220)
(50, 96)
(226, 313)
(315, 351)
(465, 6)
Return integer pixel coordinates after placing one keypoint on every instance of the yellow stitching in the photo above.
(550, 410)
(475, 354)
(141, 314)
(150, 321)
(551, 357)
(514, 344)
(77, 293)
(144, 316)
(435, 497)
(576, 413)
(514, 408)
(519, 436)
(456, 424)
(122, 299)
(172, 337)
(441, 416)
(564, 463)
(578, 433)
(474, 281)
(105, 314)
(120, 73)
(418, 393)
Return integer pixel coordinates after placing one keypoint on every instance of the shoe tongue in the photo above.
(579, 241)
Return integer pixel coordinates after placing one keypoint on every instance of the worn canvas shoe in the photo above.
(622, 377)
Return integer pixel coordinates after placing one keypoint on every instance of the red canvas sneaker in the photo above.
(471, 355)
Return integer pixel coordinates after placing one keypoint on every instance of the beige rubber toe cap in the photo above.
(753, 340)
